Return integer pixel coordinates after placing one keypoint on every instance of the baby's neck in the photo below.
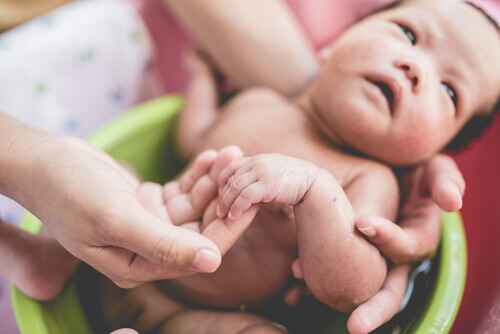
(305, 103)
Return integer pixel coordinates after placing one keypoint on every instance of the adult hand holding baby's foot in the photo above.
(90, 204)
(245, 184)
(190, 201)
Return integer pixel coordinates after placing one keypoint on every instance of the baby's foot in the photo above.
(36, 264)
(263, 178)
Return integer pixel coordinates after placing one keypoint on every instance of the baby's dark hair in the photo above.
(476, 126)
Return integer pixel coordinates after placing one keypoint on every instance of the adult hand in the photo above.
(426, 190)
(435, 185)
(90, 204)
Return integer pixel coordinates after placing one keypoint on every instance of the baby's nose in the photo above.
(414, 73)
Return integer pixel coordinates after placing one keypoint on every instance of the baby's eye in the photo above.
(451, 92)
(409, 33)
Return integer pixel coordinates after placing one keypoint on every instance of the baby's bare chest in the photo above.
(265, 123)
(259, 264)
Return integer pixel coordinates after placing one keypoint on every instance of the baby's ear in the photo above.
(324, 54)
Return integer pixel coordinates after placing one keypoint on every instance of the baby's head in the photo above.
(401, 84)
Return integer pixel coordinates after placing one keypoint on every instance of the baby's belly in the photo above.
(257, 267)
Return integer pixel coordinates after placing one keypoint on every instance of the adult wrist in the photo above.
(19, 143)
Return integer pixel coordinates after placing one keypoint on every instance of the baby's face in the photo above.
(399, 85)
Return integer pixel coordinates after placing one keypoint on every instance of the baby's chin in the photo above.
(400, 159)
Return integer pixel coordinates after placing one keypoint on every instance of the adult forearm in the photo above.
(254, 43)
(18, 143)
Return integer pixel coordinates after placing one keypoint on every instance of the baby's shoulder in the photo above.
(258, 96)
(377, 173)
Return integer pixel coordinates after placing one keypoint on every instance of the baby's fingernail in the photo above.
(206, 260)
(368, 231)
(219, 212)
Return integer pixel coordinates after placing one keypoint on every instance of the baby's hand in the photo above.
(263, 178)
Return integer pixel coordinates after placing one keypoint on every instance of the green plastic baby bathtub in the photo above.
(143, 138)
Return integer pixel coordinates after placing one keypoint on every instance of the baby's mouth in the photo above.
(386, 91)
(389, 88)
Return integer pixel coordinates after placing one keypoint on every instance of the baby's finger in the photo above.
(383, 305)
(231, 192)
(253, 194)
(400, 243)
(200, 167)
(227, 172)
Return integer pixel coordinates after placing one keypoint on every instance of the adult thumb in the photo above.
(166, 245)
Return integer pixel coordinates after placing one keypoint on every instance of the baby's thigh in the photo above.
(144, 308)
(218, 322)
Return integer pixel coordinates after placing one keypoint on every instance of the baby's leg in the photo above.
(147, 309)
(218, 322)
(35, 263)
(200, 110)
(338, 265)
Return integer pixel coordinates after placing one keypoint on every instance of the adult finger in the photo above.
(443, 180)
(414, 239)
(293, 295)
(383, 305)
(128, 269)
(225, 232)
(124, 331)
(143, 233)
(226, 156)
(200, 167)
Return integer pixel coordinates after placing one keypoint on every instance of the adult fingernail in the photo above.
(451, 187)
(368, 231)
(279, 327)
(206, 260)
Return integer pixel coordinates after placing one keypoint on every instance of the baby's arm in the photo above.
(340, 267)
(200, 110)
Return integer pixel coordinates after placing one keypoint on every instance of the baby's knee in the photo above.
(264, 328)
(347, 287)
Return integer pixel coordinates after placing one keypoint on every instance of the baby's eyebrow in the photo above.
(486, 15)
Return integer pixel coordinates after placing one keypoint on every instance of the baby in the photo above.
(389, 94)
(390, 91)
